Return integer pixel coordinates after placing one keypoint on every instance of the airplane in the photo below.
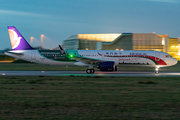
(105, 60)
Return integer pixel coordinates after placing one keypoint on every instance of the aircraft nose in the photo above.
(173, 62)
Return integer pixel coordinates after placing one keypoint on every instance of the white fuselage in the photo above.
(91, 57)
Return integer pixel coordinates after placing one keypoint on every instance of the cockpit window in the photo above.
(168, 56)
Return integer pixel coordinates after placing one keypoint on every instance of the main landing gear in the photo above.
(157, 70)
(90, 71)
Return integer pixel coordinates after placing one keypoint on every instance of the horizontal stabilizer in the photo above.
(16, 53)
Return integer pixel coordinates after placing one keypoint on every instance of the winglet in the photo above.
(17, 40)
(62, 50)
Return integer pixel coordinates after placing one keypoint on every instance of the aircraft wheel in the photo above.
(157, 70)
(92, 70)
(116, 68)
(88, 71)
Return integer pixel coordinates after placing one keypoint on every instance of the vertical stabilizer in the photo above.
(17, 40)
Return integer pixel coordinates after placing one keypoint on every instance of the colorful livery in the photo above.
(105, 60)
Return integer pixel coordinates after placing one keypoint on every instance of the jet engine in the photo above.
(107, 66)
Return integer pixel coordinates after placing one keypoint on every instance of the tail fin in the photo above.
(17, 40)
(62, 50)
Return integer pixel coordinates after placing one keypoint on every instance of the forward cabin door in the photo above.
(33, 56)
(157, 56)
(102, 57)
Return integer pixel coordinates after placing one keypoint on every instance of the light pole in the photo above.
(31, 38)
(42, 41)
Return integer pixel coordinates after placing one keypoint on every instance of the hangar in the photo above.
(124, 41)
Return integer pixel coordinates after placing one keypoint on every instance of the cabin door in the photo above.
(157, 56)
(33, 56)
(102, 57)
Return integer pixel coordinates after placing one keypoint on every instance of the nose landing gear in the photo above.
(157, 70)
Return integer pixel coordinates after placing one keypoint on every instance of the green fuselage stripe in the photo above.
(55, 55)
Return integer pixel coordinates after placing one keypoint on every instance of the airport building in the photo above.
(124, 41)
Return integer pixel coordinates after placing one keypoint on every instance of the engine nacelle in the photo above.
(107, 66)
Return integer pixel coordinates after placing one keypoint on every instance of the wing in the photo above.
(92, 61)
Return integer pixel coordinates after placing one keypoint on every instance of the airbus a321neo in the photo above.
(105, 60)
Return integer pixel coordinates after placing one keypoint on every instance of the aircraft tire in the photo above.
(88, 71)
(92, 71)
(116, 68)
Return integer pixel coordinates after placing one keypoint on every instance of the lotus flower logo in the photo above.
(15, 40)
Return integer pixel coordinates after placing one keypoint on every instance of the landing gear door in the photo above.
(157, 56)
(33, 56)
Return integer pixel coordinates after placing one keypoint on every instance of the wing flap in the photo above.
(88, 60)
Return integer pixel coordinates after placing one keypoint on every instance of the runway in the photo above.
(96, 74)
